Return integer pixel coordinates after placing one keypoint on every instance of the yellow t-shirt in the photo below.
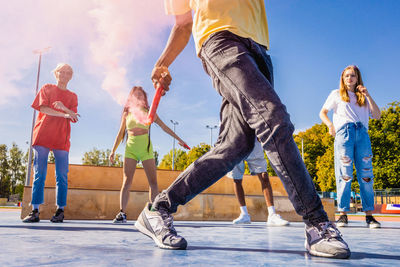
(245, 18)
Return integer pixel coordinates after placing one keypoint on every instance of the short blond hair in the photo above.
(60, 65)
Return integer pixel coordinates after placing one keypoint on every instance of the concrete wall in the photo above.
(94, 194)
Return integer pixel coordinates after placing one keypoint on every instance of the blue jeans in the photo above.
(241, 71)
(40, 167)
(352, 145)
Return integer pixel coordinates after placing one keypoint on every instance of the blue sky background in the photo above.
(312, 41)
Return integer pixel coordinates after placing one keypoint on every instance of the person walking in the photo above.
(231, 38)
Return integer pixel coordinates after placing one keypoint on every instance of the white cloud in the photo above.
(106, 36)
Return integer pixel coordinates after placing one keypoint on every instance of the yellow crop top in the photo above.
(132, 123)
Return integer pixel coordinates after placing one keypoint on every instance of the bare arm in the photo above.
(52, 112)
(177, 41)
(323, 114)
(376, 112)
(119, 137)
(169, 131)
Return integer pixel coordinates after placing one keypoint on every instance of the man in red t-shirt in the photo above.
(57, 108)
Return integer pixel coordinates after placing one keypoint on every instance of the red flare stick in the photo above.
(186, 146)
(154, 105)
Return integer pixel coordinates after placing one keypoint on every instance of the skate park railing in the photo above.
(93, 193)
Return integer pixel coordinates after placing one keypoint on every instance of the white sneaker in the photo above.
(242, 219)
(276, 220)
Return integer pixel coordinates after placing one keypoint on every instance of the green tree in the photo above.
(196, 152)
(180, 160)
(16, 167)
(99, 157)
(316, 141)
(385, 140)
(4, 174)
(51, 158)
(325, 171)
(183, 160)
(156, 155)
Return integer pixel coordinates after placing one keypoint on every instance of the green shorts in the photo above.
(136, 148)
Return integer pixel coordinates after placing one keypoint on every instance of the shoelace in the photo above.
(329, 231)
(168, 221)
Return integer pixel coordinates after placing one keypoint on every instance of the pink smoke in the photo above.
(138, 107)
(125, 29)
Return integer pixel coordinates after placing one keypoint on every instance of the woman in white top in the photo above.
(352, 107)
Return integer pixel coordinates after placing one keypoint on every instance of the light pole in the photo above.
(211, 129)
(173, 145)
(28, 167)
(302, 149)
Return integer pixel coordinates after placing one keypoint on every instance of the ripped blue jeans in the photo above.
(352, 145)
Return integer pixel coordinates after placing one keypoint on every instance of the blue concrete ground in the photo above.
(100, 243)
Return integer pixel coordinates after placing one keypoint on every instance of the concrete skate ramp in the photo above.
(94, 194)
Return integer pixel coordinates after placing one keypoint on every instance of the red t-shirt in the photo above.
(50, 131)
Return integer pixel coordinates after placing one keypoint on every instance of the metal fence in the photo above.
(386, 196)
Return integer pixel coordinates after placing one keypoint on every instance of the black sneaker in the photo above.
(342, 222)
(33, 217)
(324, 240)
(120, 218)
(159, 226)
(58, 216)
(371, 222)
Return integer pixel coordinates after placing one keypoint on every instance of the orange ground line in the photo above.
(377, 217)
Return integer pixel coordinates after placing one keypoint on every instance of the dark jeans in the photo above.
(241, 71)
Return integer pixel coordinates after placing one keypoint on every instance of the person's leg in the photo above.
(363, 163)
(61, 162)
(242, 73)
(239, 192)
(40, 172)
(344, 158)
(236, 174)
(151, 173)
(274, 219)
(129, 168)
(235, 142)
(244, 217)
(266, 188)
(245, 71)
(40, 168)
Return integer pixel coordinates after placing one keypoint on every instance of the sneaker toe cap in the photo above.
(335, 248)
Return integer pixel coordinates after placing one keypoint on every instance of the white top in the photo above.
(347, 112)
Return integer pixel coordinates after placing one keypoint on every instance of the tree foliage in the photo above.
(316, 142)
(97, 157)
(12, 170)
(385, 140)
(183, 159)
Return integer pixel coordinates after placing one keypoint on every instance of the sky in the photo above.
(113, 45)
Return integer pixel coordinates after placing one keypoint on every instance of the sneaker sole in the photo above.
(274, 224)
(325, 255)
(241, 222)
(374, 226)
(119, 222)
(145, 231)
(341, 224)
(31, 221)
